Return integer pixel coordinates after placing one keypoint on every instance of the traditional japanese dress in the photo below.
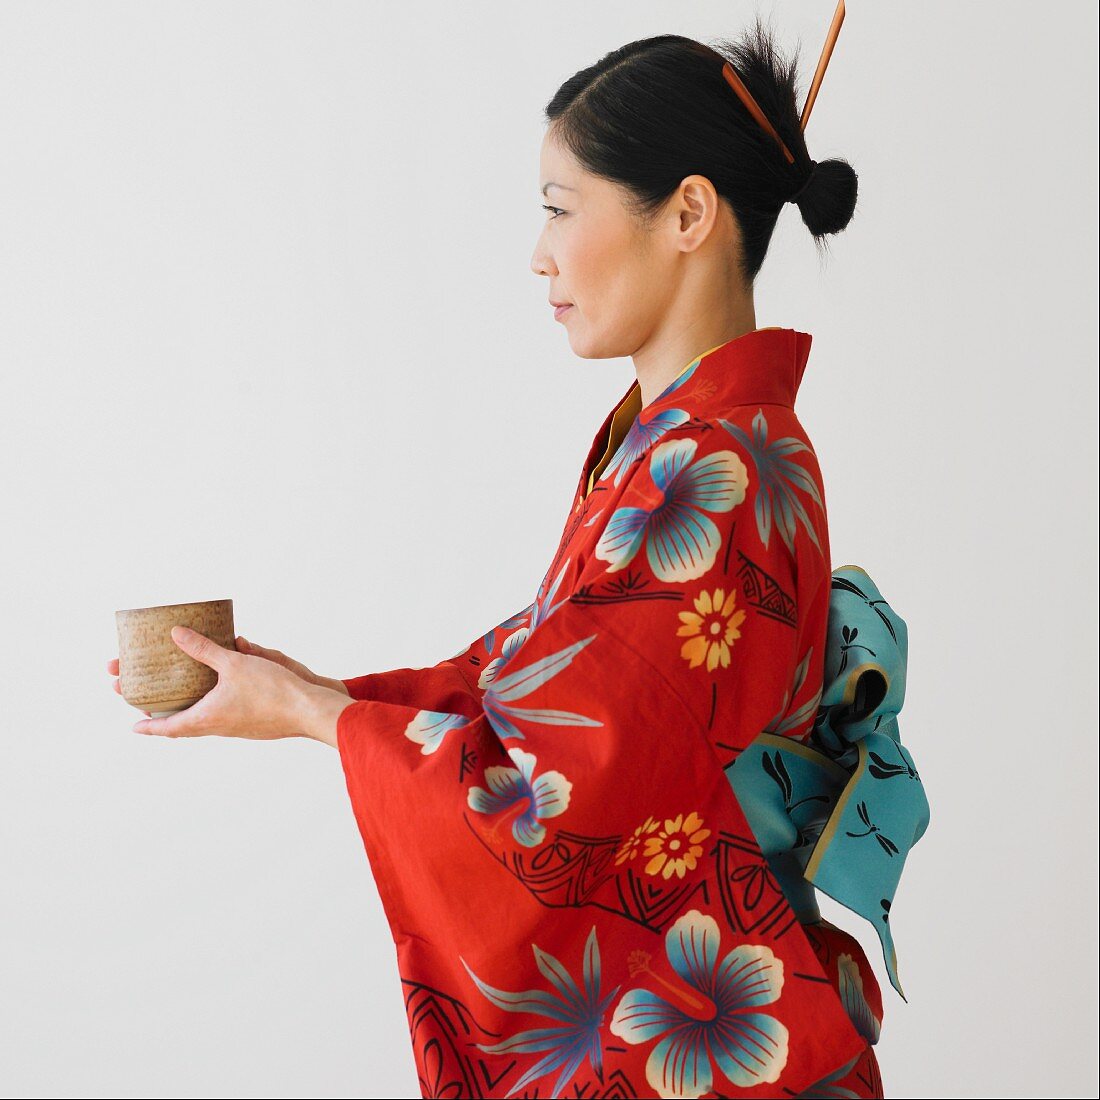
(597, 830)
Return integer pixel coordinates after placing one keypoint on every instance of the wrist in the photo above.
(337, 685)
(319, 708)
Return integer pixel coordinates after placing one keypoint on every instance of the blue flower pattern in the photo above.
(780, 476)
(516, 789)
(721, 1030)
(639, 438)
(680, 539)
(577, 1015)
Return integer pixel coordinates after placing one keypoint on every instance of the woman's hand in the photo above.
(254, 698)
(273, 655)
(296, 667)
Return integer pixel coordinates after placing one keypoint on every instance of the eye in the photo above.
(555, 209)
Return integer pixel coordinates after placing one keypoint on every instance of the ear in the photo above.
(696, 206)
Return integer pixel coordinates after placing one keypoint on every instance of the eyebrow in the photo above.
(560, 186)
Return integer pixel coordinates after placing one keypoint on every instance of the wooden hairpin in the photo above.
(738, 85)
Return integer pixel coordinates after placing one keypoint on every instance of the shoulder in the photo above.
(785, 484)
(700, 477)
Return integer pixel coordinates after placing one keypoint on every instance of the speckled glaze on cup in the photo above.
(154, 673)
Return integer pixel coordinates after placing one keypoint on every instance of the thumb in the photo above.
(199, 646)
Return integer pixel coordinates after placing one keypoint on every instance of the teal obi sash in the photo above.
(840, 811)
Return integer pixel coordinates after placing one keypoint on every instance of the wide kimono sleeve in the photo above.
(453, 685)
(575, 895)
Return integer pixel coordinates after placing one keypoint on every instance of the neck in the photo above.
(665, 355)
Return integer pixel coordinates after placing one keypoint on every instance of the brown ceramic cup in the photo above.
(154, 673)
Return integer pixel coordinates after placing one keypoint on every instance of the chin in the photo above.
(598, 353)
(587, 346)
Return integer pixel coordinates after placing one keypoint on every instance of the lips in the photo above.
(560, 310)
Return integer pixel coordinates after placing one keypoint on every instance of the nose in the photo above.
(542, 263)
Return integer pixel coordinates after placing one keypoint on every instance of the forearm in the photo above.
(318, 710)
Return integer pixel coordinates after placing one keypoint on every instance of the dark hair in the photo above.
(654, 111)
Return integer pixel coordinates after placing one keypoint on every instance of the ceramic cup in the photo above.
(154, 673)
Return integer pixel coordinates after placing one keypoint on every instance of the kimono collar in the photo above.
(763, 366)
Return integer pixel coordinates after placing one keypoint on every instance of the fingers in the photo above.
(155, 726)
(173, 725)
(201, 647)
(274, 655)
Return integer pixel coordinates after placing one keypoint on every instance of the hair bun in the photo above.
(826, 198)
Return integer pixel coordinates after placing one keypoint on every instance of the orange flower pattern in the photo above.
(677, 846)
(710, 629)
(632, 843)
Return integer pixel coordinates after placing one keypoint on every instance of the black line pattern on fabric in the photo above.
(733, 750)
(751, 897)
(570, 871)
(467, 761)
(631, 586)
(618, 1087)
(729, 547)
(449, 1064)
(765, 593)
(444, 1034)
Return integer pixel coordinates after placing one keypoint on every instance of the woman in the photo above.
(556, 816)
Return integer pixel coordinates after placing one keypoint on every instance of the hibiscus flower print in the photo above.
(681, 540)
(518, 795)
(430, 727)
(706, 1021)
(710, 629)
(639, 438)
(676, 848)
(855, 1001)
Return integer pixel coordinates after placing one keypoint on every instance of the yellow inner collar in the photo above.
(625, 415)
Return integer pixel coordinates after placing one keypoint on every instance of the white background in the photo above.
(269, 333)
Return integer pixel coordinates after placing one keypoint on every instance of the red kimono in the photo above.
(578, 903)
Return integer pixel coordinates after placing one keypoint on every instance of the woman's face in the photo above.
(617, 276)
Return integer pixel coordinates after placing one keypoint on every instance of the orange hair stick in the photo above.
(822, 63)
(738, 85)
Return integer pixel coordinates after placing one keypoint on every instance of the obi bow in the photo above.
(840, 811)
